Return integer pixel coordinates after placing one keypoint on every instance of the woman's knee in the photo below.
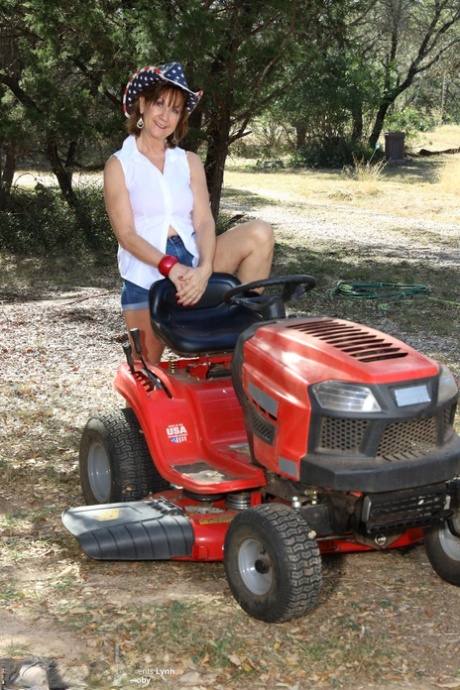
(262, 234)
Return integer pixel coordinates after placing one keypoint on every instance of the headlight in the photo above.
(345, 397)
(447, 385)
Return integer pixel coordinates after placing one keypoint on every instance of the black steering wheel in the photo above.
(270, 306)
(294, 286)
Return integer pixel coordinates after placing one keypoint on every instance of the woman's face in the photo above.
(161, 117)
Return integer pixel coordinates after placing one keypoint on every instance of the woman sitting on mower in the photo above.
(158, 204)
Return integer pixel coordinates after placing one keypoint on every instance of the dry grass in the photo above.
(439, 139)
(108, 623)
(449, 177)
(401, 191)
(427, 187)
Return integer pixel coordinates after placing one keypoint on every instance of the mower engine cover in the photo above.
(334, 404)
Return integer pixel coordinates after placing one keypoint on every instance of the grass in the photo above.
(438, 139)
(233, 651)
(419, 187)
(449, 177)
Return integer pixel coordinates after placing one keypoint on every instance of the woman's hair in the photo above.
(152, 94)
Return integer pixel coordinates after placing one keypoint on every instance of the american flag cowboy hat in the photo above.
(147, 76)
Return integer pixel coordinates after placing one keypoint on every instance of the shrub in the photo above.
(37, 222)
(327, 153)
(410, 121)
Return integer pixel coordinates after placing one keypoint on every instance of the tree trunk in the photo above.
(378, 123)
(7, 174)
(358, 126)
(3, 198)
(300, 134)
(216, 155)
(63, 173)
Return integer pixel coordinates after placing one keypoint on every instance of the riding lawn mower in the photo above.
(267, 440)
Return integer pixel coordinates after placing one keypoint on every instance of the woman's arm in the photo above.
(192, 283)
(203, 220)
(121, 216)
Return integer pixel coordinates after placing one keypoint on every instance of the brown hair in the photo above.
(152, 94)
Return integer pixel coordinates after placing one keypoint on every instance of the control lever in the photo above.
(128, 350)
(136, 337)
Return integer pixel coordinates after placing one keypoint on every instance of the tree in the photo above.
(10, 132)
(329, 107)
(360, 77)
(239, 50)
(55, 97)
(408, 39)
(246, 53)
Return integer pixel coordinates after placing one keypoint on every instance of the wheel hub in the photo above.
(99, 472)
(255, 567)
(261, 567)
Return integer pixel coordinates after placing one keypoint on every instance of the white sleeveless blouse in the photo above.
(158, 200)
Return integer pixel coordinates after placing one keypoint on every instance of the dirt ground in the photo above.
(385, 620)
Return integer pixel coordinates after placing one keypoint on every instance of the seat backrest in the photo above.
(210, 326)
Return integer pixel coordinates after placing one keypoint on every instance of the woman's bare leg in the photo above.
(152, 348)
(246, 249)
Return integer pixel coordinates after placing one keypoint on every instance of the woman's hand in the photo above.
(189, 282)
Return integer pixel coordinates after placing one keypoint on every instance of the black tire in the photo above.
(443, 549)
(115, 462)
(272, 563)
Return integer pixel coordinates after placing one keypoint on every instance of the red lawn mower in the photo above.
(270, 440)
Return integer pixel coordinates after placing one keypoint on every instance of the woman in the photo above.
(158, 204)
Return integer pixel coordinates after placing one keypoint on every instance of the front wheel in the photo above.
(442, 545)
(272, 563)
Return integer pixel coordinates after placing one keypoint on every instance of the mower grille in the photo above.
(352, 339)
(262, 427)
(395, 442)
(406, 440)
(344, 435)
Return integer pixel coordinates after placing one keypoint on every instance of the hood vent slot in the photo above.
(356, 341)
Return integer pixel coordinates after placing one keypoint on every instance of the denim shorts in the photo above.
(134, 297)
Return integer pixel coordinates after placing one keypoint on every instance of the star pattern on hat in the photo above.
(171, 72)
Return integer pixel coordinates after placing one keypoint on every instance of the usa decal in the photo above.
(177, 433)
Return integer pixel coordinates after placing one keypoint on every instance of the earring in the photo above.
(140, 123)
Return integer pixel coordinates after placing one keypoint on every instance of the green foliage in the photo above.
(331, 71)
(75, 60)
(39, 222)
(58, 79)
(330, 107)
(410, 121)
(328, 153)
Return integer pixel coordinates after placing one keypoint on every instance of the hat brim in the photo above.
(147, 76)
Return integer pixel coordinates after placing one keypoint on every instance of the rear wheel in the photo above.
(115, 462)
(442, 544)
(272, 563)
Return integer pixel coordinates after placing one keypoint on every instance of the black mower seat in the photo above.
(210, 326)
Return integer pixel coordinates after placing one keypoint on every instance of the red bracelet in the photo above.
(166, 264)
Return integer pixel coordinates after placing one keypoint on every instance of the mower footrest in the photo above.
(148, 530)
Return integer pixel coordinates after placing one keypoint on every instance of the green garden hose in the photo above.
(378, 290)
(384, 291)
